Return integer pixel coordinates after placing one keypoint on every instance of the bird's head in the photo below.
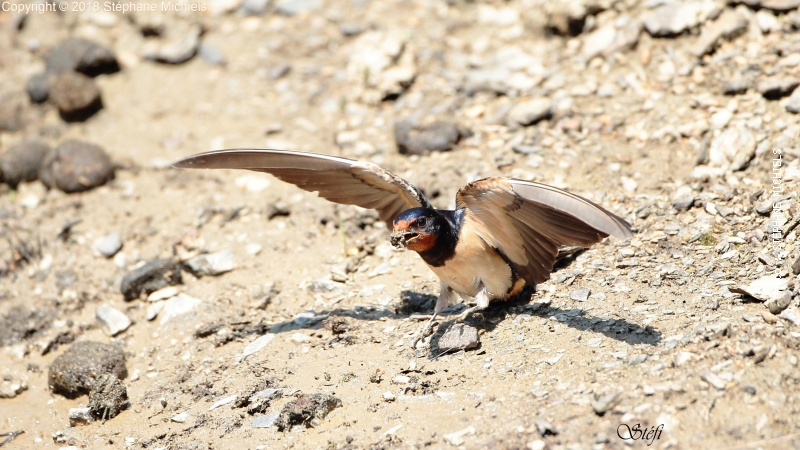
(417, 229)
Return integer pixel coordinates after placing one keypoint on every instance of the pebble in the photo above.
(729, 24)
(108, 245)
(153, 310)
(676, 17)
(580, 295)
(793, 103)
(733, 149)
(294, 7)
(38, 88)
(75, 371)
(713, 379)
(683, 204)
(253, 248)
(212, 263)
(154, 275)
(22, 162)
(81, 55)
(212, 55)
(300, 338)
(113, 319)
(265, 421)
(457, 438)
(13, 111)
(765, 288)
(529, 112)
(459, 336)
(76, 166)
(536, 445)
(764, 208)
(222, 402)
(777, 86)
(792, 315)
(80, 416)
(603, 404)
(163, 294)
(415, 139)
(796, 266)
(388, 396)
(307, 409)
(254, 7)
(179, 44)
(76, 96)
(545, 427)
(257, 345)
(180, 418)
(178, 306)
(324, 286)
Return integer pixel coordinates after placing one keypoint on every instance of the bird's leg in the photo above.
(481, 302)
(445, 296)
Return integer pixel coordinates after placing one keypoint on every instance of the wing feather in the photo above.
(337, 179)
(528, 222)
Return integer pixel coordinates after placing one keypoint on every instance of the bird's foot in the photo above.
(426, 331)
(462, 316)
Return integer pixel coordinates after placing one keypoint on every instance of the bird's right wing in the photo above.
(337, 179)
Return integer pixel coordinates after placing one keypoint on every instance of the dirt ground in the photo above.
(660, 340)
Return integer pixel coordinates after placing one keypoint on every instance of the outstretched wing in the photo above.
(528, 222)
(339, 180)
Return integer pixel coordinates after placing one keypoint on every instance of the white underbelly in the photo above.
(475, 267)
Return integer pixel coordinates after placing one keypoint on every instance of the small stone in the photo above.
(793, 103)
(179, 44)
(178, 306)
(150, 277)
(107, 397)
(459, 336)
(545, 427)
(388, 396)
(38, 88)
(796, 266)
(294, 7)
(108, 245)
(257, 345)
(22, 162)
(674, 18)
(777, 86)
(222, 402)
(212, 263)
(76, 96)
(163, 294)
(253, 248)
(75, 371)
(683, 204)
(749, 389)
(324, 286)
(733, 149)
(603, 404)
(81, 55)
(300, 338)
(76, 166)
(713, 379)
(777, 305)
(153, 310)
(738, 84)
(580, 295)
(529, 112)
(792, 315)
(180, 418)
(729, 24)
(254, 7)
(765, 288)
(764, 208)
(536, 445)
(13, 110)
(438, 136)
(767, 21)
(212, 55)
(457, 438)
(113, 319)
(265, 421)
(80, 416)
(307, 410)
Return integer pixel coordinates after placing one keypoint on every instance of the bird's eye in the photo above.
(422, 222)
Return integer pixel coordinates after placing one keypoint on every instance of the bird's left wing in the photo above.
(337, 179)
(528, 222)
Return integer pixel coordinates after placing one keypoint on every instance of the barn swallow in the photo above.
(503, 234)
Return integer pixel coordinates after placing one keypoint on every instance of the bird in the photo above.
(503, 235)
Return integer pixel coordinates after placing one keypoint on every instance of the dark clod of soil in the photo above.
(19, 324)
(108, 397)
(81, 55)
(21, 162)
(12, 111)
(307, 410)
(438, 136)
(337, 325)
(75, 372)
(150, 277)
(76, 96)
(76, 166)
(38, 88)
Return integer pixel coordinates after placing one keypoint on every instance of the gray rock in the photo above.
(545, 427)
(306, 410)
(580, 295)
(257, 345)
(494, 79)
(212, 263)
(683, 203)
(774, 5)
(598, 41)
(767, 288)
(293, 7)
(75, 371)
(713, 379)
(414, 139)
(676, 17)
(730, 24)
(108, 245)
(796, 266)
(13, 107)
(212, 55)
(627, 37)
(80, 416)
(792, 315)
(76, 96)
(108, 397)
(150, 277)
(793, 103)
(456, 438)
(21, 162)
(764, 208)
(265, 421)
(777, 86)
(733, 149)
(180, 418)
(254, 7)
(38, 88)
(178, 306)
(76, 166)
(530, 112)
(81, 55)
(113, 319)
(153, 310)
(179, 44)
(459, 336)
(602, 405)
(352, 29)
(279, 71)
(738, 84)
(776, 305)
